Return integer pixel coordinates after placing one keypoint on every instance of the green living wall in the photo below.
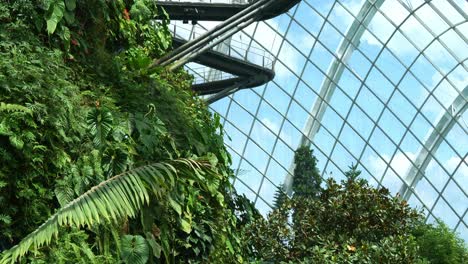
(81, 107)
(105, 159)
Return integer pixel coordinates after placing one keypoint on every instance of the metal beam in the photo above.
(334, 73)
(218, 11)
(440, 131)
(207, 37)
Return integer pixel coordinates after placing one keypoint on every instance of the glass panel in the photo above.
(371, 104)
(445, 213)
(454, 196)
(426, 193)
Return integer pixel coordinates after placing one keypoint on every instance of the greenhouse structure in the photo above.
(234, 131)
(382, 84)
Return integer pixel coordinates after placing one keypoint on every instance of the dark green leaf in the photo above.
(135, 250)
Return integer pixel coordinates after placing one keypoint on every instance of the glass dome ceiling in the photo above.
(379, 83)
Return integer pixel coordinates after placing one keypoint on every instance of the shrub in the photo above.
(440, 245)
(350, 222)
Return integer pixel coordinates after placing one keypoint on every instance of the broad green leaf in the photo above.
(229, 246)
(155, 246)
(69, 17)
(56, 14)
(176, 206)
(135, 250)
(66, 34)
(212, 159)
(186, 227)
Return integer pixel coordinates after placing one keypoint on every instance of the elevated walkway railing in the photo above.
(230, 64)
(233, 48)
(203, 74)
(214, 36)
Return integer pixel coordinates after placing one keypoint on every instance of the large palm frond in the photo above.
(120, 196)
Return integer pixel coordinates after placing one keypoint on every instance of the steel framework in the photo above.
(379, 83)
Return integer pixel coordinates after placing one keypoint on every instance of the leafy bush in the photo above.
(438, 244)
(349, 222)
(41, 127)
(71, 246)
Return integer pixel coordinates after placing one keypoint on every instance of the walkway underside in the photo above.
(200, 11)
(253, 75)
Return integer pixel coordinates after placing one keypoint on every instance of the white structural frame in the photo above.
(335, 71)
(437, 136)
(316, 126)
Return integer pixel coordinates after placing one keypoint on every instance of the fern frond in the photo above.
(86, 250)
(5, 219)
(14, 108)
(120, 196)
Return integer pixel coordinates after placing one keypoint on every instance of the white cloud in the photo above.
(461, 172)
(445, 92)
(271, 125)
(274, 127)
(398, 14)
(434, 173)
(400, 164)
(382, 29)
(453, 162)
(452, 194)
(450, 165)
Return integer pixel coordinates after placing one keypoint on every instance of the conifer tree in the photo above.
(307, 180)
(352, 174)
(280, 197)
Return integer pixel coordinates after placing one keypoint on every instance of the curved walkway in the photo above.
(236, 14)
(254, 75)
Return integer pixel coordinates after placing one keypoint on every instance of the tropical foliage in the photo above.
(80, 108)
(118, 197)
(349, 222)
(438, 244)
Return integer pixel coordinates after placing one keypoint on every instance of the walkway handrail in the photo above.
(202, 74)
(217, 31)
(235, 48)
